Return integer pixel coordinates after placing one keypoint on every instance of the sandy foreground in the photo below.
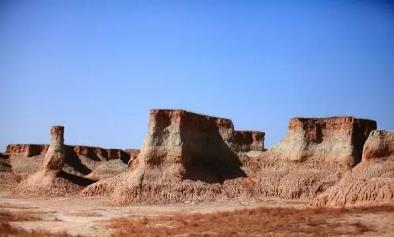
(97, 217)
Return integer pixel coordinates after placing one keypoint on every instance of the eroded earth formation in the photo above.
(189, 157)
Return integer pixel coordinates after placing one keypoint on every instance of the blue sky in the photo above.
(97, 67)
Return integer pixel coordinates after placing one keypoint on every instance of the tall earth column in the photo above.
(55, 156)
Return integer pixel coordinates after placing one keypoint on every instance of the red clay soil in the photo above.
(249, 222)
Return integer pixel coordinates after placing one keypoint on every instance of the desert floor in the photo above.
(266, 217)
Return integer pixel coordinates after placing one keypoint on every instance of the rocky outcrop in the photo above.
(336, 139)
(369, 183)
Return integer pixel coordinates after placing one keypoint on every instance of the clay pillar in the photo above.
(55, 156)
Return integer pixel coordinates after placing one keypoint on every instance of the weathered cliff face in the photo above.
(189, 146)
(336, 139)
(371, 182)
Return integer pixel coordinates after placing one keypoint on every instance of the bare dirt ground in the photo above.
(266, 217)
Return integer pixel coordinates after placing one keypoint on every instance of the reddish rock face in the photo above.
(335, 139)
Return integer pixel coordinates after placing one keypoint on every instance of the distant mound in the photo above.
(369, 183)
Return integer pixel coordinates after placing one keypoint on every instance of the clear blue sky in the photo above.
(97, 67)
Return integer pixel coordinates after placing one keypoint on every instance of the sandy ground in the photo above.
(90, 216)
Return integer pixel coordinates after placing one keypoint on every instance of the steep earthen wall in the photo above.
(190, 145)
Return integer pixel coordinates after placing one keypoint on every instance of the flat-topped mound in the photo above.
(335, 139)
(190, 145)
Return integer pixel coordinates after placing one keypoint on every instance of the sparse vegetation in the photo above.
(248, 222)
